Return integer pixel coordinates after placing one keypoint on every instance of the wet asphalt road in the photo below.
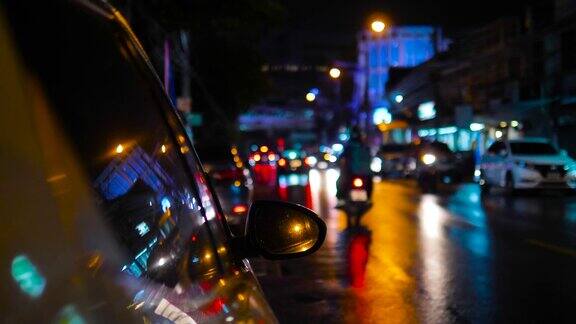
(455, 257)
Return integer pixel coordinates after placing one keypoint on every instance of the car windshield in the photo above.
(437, 147)
(527, 148)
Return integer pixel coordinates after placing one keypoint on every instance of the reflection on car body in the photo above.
(112, 217)
(232, 182)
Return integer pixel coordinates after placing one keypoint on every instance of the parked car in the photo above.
(437, 166)
(526, 164)
(231, 181)
(395, 161)
(107, 215)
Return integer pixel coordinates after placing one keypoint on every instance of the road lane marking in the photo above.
(553, 247)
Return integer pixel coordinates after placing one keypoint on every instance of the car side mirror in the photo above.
(281, 230)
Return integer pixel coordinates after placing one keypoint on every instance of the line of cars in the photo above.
(234, 180)
(432, 164)
(531, 163)
(513, 165)
(287, 167)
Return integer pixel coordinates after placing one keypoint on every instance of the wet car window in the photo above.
(533, 149)
(142, 184)
(215, 217)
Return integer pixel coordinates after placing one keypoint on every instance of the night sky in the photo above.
(348, 16)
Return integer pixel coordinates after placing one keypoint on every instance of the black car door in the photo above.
(171, 256)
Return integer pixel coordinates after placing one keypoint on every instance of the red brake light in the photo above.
(239, 209)
(215, 307)
(228, 174)
(310, 161)
(357, 183)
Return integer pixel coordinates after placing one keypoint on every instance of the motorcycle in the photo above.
(357, 201)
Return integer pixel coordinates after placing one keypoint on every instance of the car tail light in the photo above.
(310, 161)
(232, 174)
(240, 209)
(357, 183)
(215, 307)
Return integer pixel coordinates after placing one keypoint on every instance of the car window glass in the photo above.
(528, 148)
(492, 148)
(497, 148)
(501, 149)
(215, 218)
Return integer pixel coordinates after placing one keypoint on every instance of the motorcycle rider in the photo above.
(354, 162)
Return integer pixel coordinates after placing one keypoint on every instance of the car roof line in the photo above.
(99, 7)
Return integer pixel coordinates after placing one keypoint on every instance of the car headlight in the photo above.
(571, 172)
(376, 165)
(571, 167)
(428, 158)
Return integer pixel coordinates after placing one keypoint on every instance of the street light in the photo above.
(334, 73)
(377, 26)
(310, 97)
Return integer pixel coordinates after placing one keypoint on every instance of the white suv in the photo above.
(526, 164)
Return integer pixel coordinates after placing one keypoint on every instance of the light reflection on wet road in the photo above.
(448, 258)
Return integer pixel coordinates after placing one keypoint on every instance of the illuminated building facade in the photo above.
(402, 46)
